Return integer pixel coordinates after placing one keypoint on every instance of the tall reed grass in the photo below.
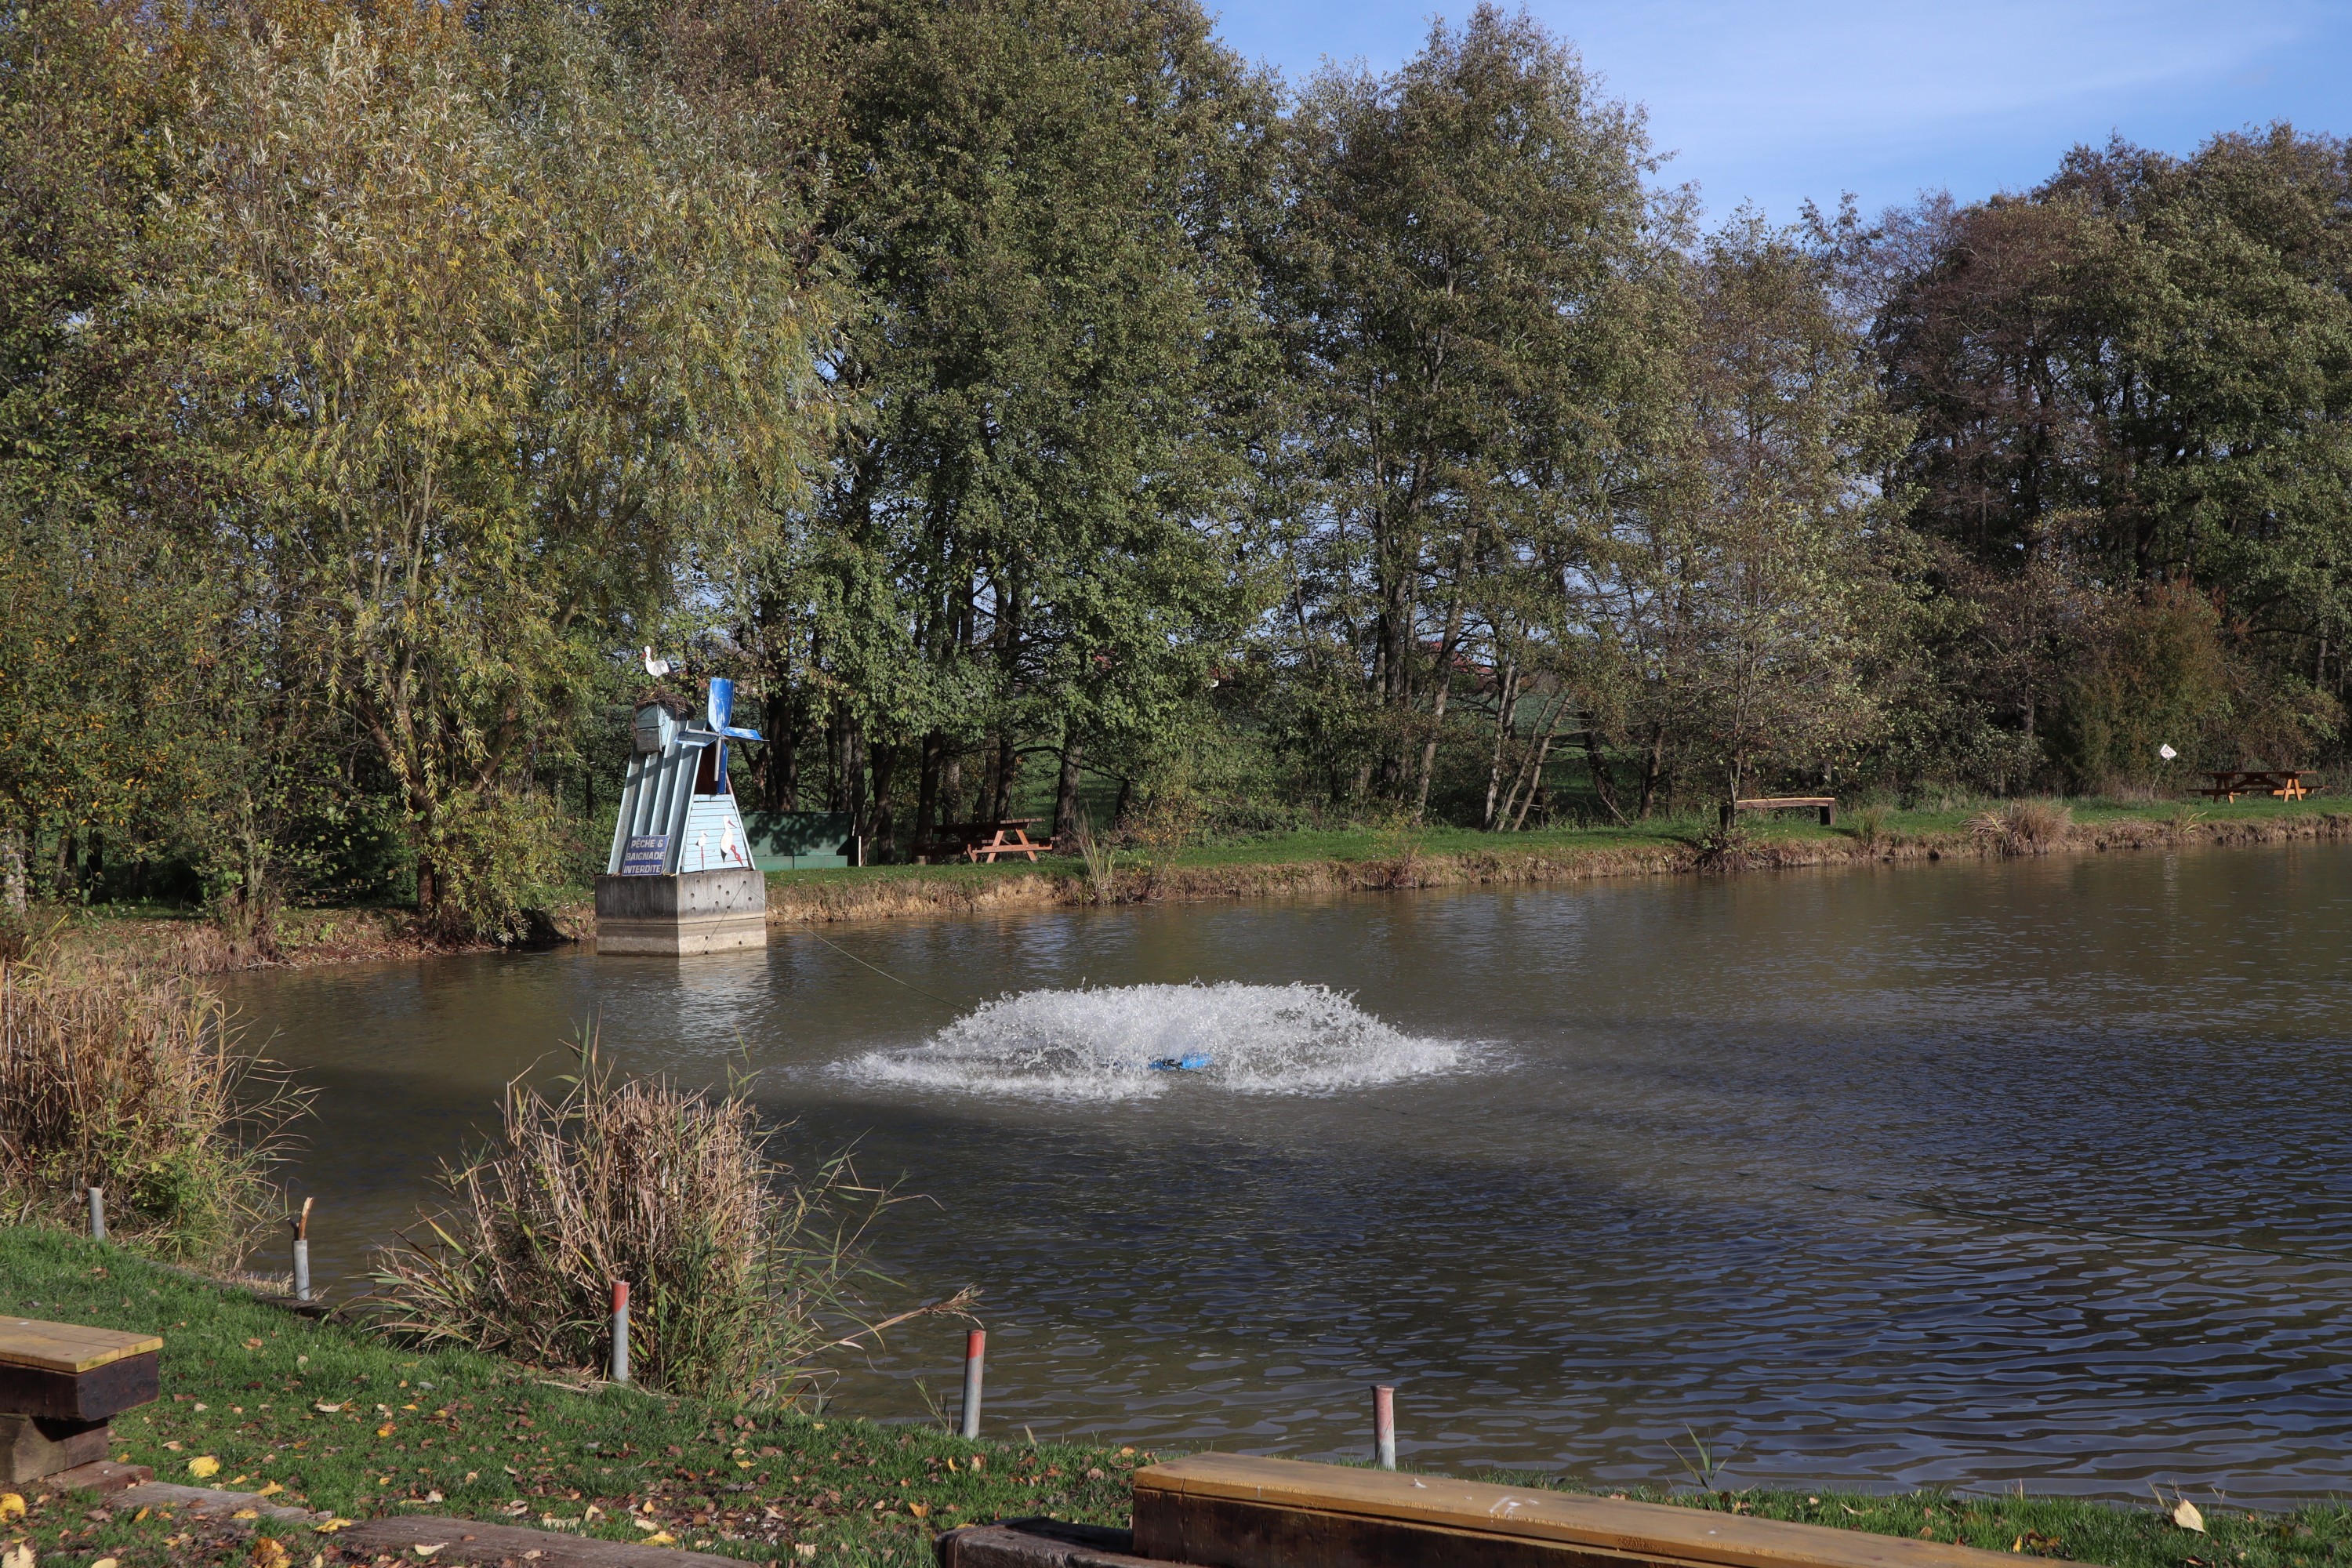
(744, 1273)
(2024, 827)
(134, 1082)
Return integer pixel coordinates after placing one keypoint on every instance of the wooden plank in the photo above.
(68, 1347)
(99, 1394)
(1222, 1510)
(31, 1447)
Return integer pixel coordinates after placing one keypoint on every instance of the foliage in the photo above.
(1034, 379)
(135, 1084)
(742, 1272)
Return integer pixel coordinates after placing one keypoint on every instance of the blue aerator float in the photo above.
(1195, 1061)
(679, 879)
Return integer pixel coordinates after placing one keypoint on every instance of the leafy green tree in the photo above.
(522, 342)
(1460, 283)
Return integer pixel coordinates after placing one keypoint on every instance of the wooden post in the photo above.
(1384, 1425)
(620, 1330)
(975, 1350)
(302, 1222)
(97, 1212)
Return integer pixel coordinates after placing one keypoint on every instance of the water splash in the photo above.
(1099, 1044)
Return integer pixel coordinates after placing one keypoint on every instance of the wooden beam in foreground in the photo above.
(1225, 1510)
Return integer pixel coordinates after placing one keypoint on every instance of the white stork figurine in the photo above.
(655, 667)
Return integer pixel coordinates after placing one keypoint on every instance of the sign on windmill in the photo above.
(680, 878)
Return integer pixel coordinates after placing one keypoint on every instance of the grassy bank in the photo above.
(1367, 860)
(1273, 865)
(339, 1421)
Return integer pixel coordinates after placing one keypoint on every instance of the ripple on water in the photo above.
(1098, 1044)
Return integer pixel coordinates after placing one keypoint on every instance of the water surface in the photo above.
(1878, 1176)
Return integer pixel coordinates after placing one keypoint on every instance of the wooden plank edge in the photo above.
(1656, 1531)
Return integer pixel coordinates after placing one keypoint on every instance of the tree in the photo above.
(1460, 282)
(522, 341)
(1751, 587)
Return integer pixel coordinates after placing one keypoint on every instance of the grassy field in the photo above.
(334, 1419)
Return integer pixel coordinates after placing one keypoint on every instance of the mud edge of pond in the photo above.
(309, 937)
(916, 897)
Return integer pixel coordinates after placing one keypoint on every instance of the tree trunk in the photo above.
(1065, 796)
(12, 864)
(1008, 768)
(951, 786)
(882, 760)
(1602, 786)
(1506, 692)
(927, 792)
(1654, 768)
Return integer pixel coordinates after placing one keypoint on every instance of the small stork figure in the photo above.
(655, 667)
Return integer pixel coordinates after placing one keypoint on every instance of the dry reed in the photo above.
(133, 1083)
(742, 1273)
(2024, 827)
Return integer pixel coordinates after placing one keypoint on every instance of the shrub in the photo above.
(133, 1083)
(741, 1273)
(2024, 827)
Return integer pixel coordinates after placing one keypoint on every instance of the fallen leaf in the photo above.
(17, 1556)
(328, 1526)
(335, 1408)
(107, 1563)
(661, 1537)
(11, 1506)
(204, 1465)
(271, 1489)
(428, 1551)
(645, 1524)
(920, 1509)
(269, 1554)
(253, 1344)
(385, 1430)
(247, 1513)
(2185, 1515)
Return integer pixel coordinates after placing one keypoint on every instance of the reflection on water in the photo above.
(1583, 1168)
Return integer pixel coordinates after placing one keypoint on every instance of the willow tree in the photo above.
(517, 340)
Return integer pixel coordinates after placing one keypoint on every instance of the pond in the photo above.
(1975, 1173)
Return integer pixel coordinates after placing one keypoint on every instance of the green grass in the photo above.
(244, 1383)
(1363, 844)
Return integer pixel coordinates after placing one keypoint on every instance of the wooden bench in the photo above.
(1824, 803)
(1228, 1511)
(986, 840)
(2286, 783)
(60, 1385)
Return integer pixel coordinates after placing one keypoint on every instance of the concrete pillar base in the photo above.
(670, 917)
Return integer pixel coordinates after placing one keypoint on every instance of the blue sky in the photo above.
(1776, 100)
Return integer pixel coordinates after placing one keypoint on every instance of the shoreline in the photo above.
(188, 945)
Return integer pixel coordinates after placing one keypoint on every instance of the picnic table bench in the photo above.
(60, 1385)
(1824, 803)
(2286, 783)
(986, 840)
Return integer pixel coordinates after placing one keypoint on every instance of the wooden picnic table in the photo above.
(986, 840)
(2286, 783)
